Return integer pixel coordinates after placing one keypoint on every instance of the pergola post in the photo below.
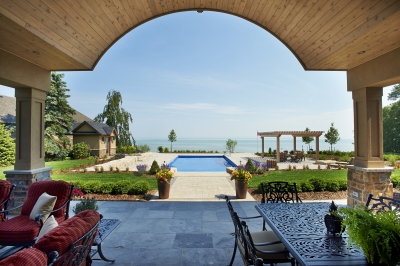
(278, 149)
(317, 148)
(294, 144)
(262, 147)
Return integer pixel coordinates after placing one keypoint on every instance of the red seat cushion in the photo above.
(67, 232)
(26, 257)
(5, 187)
(19, 229)
(61, 189)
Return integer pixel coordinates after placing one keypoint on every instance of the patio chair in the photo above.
(23, 229)
(258, 252)
(274, 192)
(261, 236)
(382, 203)
(6, 188)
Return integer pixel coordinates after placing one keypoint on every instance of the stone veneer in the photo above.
(23, 179)
(364, 181)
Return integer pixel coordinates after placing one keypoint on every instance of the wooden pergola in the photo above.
(295, 134)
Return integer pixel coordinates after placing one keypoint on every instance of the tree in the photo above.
(57, 118)
(230, 145)
(391, 126)
(115, 116)
(395, 93)
(332, 136)
(7, 147)
(308, 140)
(172, 137)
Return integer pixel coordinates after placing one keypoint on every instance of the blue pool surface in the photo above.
(192, 163)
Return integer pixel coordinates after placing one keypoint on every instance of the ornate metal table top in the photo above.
(300, 226)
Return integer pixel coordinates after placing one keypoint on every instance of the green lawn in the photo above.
(297, 176)
(106, 177)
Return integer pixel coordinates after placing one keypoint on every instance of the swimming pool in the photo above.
(193, 163)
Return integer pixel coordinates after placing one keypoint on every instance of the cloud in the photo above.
(220, 109)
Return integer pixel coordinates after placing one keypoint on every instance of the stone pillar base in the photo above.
(364, 181)
(23, 179)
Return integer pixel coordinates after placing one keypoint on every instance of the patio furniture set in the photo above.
(299, 235)
(43, 233)
(294, 156)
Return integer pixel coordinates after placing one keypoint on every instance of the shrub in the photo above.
(154, 168)
(323, 157)
(101, 169)
(7, 147)
(166, 149)
(85, 204)
(289, 168)
(131, 149)
(332, 186)
(250, 166)
(318, 183)
(121, 149)
(342, 185)
(143, 148)
(345, 158)
(294, 167)
(80, 150)
(106, 188)
(306, 187)
(121, 187)
(90, 187)
(139, 188)
(141, 169)
(260, 171)
(127, 169)
(117, 169)
(111, 168)
(96, 169)
(160, 149)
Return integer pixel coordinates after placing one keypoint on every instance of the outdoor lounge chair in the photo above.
(6, 188)
(23, 229)
(269, 239)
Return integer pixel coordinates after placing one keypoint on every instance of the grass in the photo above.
(297, 176)
(106, 177)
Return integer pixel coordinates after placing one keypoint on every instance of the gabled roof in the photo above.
(99, 128)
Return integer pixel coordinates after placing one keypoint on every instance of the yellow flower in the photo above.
(164, 175)
(241, 174)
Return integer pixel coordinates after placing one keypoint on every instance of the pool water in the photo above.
(190, 163)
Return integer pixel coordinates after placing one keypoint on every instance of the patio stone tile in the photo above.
(136, 225)
(223, 240)
(188, 214)
(181, 206)
(159, 205)
(193, 241)
(122, 256)
(218, 227)
(166, 226)
(194, 226)
(210, 216)
(238, 258)
(139, 213)
(159, 257)
(203, 257)
(224, 216)
(139, 240)
(158, 214)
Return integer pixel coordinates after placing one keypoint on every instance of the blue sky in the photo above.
(211, 75)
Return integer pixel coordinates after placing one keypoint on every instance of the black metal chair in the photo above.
(267, 240)
(274, 192)
(258, 251)
(382, 203)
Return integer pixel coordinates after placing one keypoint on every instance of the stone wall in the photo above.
(363, 181)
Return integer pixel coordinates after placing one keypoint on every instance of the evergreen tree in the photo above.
(172, 137)
(7, 147)
(58, 117)
(308, 140)
(395, 93)
(332, 136)
(115, 116)
(391, 127)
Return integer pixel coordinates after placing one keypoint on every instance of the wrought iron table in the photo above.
(301, 228)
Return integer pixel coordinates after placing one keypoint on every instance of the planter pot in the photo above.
(333, 224)
(163, 189)
(241, 188)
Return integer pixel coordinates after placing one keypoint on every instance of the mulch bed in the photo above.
(256, 195)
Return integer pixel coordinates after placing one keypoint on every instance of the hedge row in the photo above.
(116, 188)
(318, 184)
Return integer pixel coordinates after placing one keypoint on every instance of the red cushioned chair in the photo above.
(20, 230)
(6, 188)
(67, 244)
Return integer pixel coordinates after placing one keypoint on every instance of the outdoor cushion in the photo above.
(47, 226)
(5, 188)
(67, 232)
(45, 203)
(60, 189)
(26, 257)
(19, 229)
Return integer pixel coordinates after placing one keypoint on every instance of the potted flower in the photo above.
(241, 177)
(376, 233)
(164, 177)
(86, 203)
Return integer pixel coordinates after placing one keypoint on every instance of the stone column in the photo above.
(294, 144)
(368, 128)
(29, 162)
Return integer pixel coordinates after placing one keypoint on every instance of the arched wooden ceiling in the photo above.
(323, 35)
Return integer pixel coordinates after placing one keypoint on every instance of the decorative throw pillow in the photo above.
(45, 203)
(47, 226)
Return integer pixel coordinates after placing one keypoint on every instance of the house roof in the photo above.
(8, 114)
(100, 128)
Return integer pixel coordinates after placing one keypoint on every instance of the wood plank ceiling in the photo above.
(322, 34)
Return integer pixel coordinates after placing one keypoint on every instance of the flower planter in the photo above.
(241, 188)
(163, 189)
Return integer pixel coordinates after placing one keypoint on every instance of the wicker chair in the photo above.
(21, 230)
(6, 188)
